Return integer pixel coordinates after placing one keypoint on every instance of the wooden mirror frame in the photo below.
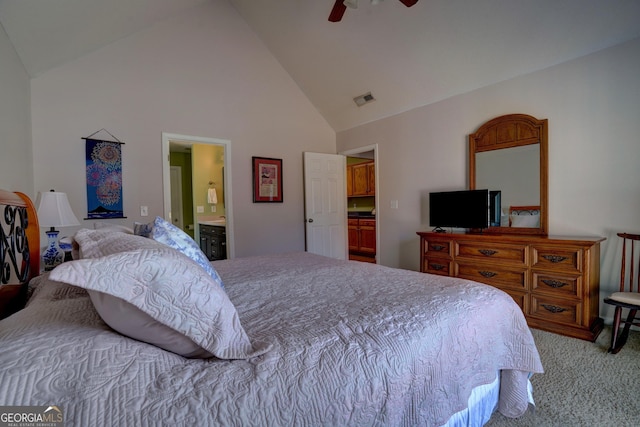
(514, 130)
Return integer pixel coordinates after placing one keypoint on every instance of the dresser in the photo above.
(554, 280)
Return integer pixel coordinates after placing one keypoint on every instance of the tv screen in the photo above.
(459, 209)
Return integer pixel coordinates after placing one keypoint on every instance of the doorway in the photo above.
(205, 177)
(362, 207)
(177, 198)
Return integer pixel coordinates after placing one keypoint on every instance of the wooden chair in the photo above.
(627, 297)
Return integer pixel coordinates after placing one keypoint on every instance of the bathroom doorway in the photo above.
(206, 166)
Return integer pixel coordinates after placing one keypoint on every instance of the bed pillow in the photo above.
(160, 296)
(525, 221)
(142, 229)
(98, 243)
(106, 226)
(164, 232)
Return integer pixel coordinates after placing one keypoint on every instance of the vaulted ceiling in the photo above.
(406, 57)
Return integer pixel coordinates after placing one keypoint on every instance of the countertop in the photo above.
(220, 222)
(364, 215)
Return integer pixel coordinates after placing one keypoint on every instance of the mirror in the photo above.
(509, 154)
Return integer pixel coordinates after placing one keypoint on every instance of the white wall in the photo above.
(204, 73)
(593, 107)
(16, 170)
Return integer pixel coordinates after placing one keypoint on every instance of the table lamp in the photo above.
(54, 211)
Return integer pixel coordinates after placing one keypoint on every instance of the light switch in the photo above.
(394, 204)
(200, 209)
(144, 211)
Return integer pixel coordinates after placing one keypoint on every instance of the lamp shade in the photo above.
(54, 210)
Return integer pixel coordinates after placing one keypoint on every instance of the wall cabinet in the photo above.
(361, 179)
(555, 281)
(213, 241)
(362, 239)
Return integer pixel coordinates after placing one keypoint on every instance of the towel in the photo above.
(212, 197)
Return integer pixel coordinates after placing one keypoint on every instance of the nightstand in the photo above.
(12, 299)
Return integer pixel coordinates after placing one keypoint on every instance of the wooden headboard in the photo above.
(19, 249)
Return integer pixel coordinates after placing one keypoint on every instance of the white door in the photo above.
(176, 197)
(325, 196)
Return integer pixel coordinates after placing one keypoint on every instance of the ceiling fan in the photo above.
(340, 7)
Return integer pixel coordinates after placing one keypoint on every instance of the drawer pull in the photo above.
(487, 274)
(487, 252)
(438, 247)
(553, 308)
(554, 258)
(437, 266)
(554, 283)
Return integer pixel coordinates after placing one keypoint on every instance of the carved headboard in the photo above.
(19, 249)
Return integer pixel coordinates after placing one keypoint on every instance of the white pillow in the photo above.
(185, 305)
(525, 221)
(98, 243)
(129, 320)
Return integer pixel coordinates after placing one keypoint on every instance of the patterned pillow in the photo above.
(158, 295)
(167, 233)
(142, 229)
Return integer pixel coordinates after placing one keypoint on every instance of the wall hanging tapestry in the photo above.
(104, 177)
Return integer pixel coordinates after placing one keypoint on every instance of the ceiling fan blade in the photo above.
(409, 3)
(338, 11)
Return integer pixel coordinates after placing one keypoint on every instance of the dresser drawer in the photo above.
(501, 277)
(556, 310)
(557, 285)
(437, 247)
(436, 265)
(516, 254)
(557, 258)
(352, 222)
(212, 229)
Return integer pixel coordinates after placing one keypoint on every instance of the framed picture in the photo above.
(267, 180)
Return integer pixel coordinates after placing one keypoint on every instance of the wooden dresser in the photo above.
(554, 280)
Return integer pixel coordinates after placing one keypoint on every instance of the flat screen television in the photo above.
(459, 209)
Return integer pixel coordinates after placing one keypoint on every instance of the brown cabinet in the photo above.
(362, 239)
(213, 241)
(361, 179)
(554, 280)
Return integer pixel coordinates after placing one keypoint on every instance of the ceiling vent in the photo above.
(363, 99)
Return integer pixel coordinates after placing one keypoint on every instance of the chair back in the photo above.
(630, 267)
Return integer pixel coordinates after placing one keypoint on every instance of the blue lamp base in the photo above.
(52, 255)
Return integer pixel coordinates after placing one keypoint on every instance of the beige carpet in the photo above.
(583, 385)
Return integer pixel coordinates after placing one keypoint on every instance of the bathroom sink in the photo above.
(219, 222)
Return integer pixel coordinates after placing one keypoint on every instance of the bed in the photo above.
(279, 340)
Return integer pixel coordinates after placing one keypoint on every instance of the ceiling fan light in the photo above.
(353, 4)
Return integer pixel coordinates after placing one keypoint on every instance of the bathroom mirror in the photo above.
(509, 154)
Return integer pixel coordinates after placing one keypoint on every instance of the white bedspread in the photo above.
(353, 344)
